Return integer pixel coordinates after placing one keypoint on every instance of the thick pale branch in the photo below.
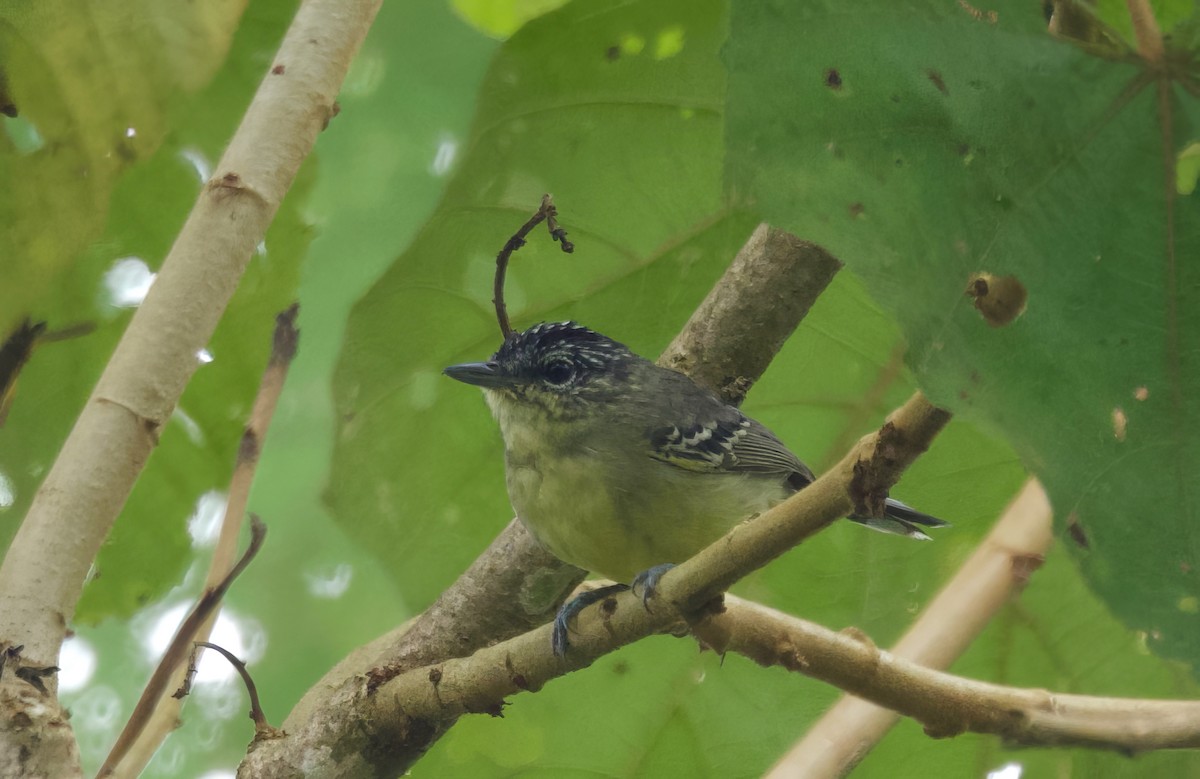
(998, 569)
(948, 705)
(71, 515)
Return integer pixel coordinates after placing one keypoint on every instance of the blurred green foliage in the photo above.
(666, 131)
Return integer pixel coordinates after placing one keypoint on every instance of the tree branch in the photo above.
(479, 608)
(768, 289)
(999, 569)
(157, 711)
(423, 698)
(44, 570)
(945, 704)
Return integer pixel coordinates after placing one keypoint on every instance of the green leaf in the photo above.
(938, 145)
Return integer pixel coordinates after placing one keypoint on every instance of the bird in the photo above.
(624, 468)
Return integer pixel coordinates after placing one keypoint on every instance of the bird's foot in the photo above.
(647, 582)
(572, 607)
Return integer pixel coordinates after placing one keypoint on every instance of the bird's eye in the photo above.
(559, 371)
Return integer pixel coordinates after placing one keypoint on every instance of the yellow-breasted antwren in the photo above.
(619, 466)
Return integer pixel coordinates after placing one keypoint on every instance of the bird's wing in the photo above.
(728, 441)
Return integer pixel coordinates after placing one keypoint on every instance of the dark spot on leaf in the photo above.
(612, 53)
(963, 149)
(620, 668)
(856, 210)
(1075, 531)
(833, 79)
(938, 81)
(1000, 299)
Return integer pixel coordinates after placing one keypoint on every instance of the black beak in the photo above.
(481, 374)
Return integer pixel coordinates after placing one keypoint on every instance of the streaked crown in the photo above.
(563, 357)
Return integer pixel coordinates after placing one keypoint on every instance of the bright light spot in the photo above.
(1006, 771)
(243, 637)
(97, 709)
(198, 161)
(7, 494)
(204, 525)
(204, 357)
(261, 249)
(632, 44)
(220, 774)
(366, 74)
(423, 389)
(668, 43)
(127, 282)
(443, 158)
(130, 132)
(24, 136)
(190, 426)
(1119, 422)
(76, 663)
(168, 760)
(329, 583)
(222, 701)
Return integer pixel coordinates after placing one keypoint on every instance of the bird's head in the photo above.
(562, 368)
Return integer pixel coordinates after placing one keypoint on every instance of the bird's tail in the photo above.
(902, 520)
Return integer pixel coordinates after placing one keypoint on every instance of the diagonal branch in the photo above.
(949, 705)
(424, 697)
(999, 568)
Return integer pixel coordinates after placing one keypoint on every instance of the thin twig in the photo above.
(1146, 31)
(284, 344)
(177, 652)
(262, 728)
(1000, 567)
(546, 212)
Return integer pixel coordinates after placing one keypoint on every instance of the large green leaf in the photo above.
(923, 143)
(589, 102)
